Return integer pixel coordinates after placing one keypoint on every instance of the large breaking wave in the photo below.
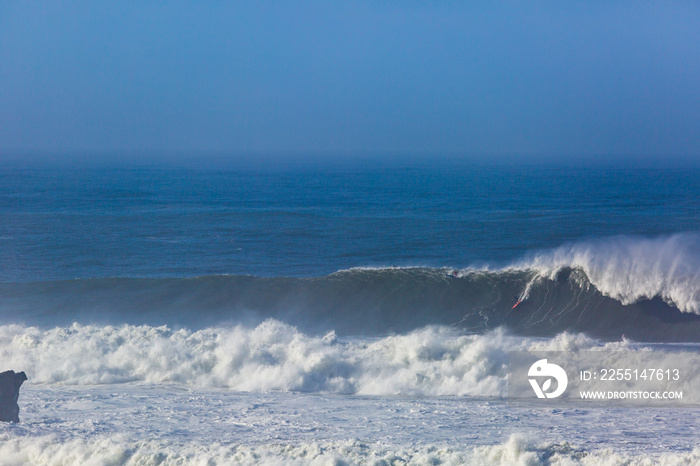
(644, 289)
(631, 269)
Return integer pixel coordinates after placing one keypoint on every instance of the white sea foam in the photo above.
(517, 450)
(430, 361)
(631, 269)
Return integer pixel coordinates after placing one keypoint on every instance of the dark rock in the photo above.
(9, 393)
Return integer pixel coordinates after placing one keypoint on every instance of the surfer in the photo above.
(518, 300)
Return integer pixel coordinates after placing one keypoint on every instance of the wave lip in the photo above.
(630, 269)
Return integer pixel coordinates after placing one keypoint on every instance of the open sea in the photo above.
(357, 311)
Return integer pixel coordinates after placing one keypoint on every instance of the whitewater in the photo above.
(271, 394)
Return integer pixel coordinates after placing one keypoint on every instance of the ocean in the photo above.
(342, 311)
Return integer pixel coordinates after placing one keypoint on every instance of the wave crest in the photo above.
(631, 269)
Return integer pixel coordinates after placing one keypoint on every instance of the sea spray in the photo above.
(433, 361)
(631, 269)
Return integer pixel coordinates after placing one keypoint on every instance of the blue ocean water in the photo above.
(356, 246)
(303, 220)
(348, 312)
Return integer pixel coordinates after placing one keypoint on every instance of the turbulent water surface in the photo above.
(345, 312)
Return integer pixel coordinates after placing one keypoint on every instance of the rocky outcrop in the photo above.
(10, 381)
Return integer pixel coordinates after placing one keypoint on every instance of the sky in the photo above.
(262, 77)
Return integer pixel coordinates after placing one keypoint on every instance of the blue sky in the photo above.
(405, 76)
